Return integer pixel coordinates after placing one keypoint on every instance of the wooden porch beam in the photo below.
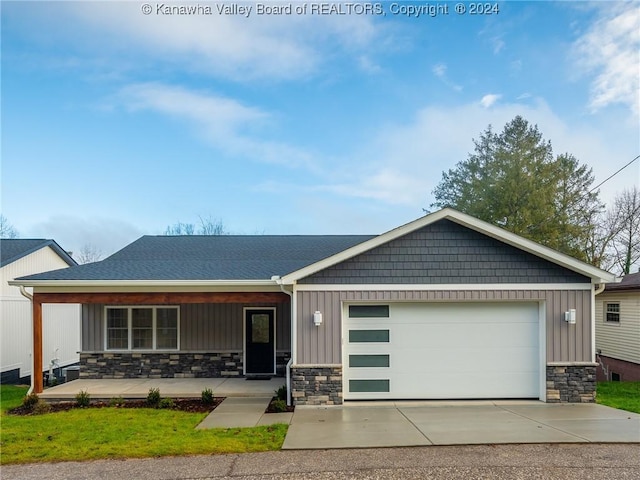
(37, 347)
(159, 298)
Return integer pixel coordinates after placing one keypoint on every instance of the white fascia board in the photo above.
(597, 275)
(442, 287)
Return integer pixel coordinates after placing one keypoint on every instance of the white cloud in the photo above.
(228, 46)
(367, 65)
(440, 71)
(223, 122)
(406, 162)
(489, 99)
(498, 45)
(610, 51)
(107, 235)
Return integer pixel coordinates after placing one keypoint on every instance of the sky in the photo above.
(121, 118)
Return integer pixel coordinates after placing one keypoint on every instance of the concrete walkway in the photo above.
(401, 424)
(243, 412)
(169, 387)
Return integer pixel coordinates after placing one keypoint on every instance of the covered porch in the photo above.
(218, 336)
(130, 388)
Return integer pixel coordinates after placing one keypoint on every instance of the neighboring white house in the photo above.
(61, 323)
(618, 330)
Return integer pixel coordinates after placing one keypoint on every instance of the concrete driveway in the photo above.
(401, 424)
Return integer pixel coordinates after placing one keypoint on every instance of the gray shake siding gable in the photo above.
(444, 253)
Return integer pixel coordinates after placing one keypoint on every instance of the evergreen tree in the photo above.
(513, 180)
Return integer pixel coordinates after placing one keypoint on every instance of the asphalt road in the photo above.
(513, 462)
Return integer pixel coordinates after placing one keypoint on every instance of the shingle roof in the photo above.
(194, 257)
(15, 248)
(628, 282)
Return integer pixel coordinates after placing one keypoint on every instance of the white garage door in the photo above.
(441, 350)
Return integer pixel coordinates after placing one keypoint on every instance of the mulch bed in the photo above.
(272, 409)
(191, 405)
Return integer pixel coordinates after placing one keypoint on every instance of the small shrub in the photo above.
(165, 403)
(30, 401)
(153, 398)
(116, 402)
(279, 406)
(41, 408)
(83, 399)
(281, 393)
(207, 396)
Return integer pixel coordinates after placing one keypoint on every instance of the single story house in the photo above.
(618, 330)
(20, 257)
(444, 307)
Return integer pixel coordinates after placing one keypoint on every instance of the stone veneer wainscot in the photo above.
(316, 385)
(571, 383)
(105, 365)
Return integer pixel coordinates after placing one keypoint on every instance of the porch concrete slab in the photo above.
(169, 387)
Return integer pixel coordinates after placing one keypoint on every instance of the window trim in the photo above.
(129, 309)
(607, 312)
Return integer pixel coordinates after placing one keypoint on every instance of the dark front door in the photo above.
(260, 344)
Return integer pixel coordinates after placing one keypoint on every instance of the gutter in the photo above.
(29, 297)
(279, 282)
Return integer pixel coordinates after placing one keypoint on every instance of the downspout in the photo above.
(278, 280)
(596, 291)
(28, 296)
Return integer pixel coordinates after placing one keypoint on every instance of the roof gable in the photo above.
(442, 253)
(595, 274)
(14, 249)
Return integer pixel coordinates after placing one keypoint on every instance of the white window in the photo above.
(612, 312)
(142, 328)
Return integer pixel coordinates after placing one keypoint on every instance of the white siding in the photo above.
(61, 323)
(621, 341)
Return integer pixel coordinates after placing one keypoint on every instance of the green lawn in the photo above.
(622, 395)
(92, 434)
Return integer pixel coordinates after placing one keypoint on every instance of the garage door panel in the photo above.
(476, 350)
(433, 336)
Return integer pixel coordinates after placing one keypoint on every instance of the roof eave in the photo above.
(139, 283)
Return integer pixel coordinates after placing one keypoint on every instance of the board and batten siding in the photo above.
(203, 327)
(621, 341)
(444, 253)
(323, 345)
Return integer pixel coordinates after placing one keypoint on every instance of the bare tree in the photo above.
(88, 254)
(6, 229)
(625, 245)
(180, 229)
(208, 226)
(211, 226)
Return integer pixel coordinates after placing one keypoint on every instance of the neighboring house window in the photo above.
(612, 312)
(142, 328)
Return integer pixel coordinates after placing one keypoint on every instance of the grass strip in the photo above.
(91, 434)
(622, 395)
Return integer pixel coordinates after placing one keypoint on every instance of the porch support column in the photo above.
(36, 373)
